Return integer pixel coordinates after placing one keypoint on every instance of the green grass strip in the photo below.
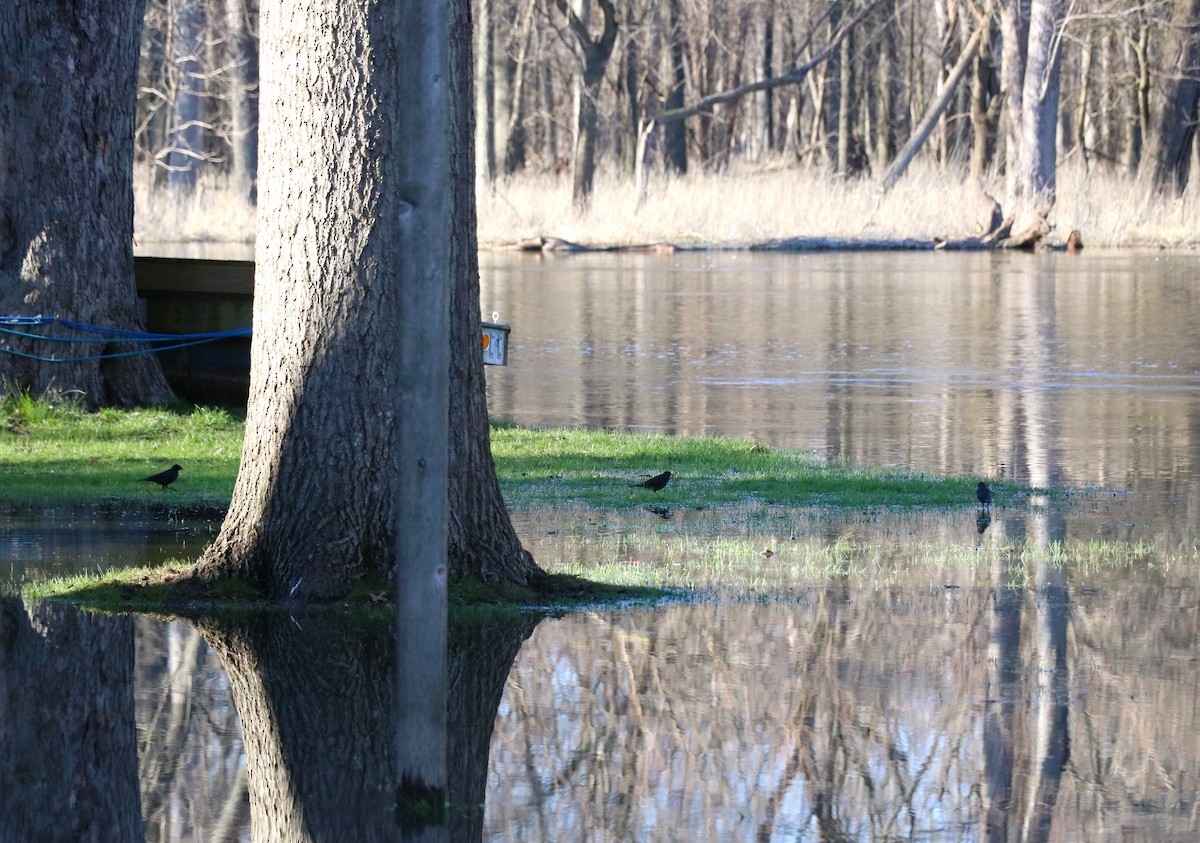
(554, 467)
(60, 453)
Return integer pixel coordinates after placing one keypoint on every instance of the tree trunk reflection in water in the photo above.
(1002, 694)
(68, 746)
(317, 696)
(1050, 737)
(191, 763)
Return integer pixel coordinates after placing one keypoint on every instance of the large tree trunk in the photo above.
(67, 93)
(482, 542)
(1037, 179)
(314, 509)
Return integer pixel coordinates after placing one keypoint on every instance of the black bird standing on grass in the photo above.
(164, 478)
(984, 494)
(655, 483)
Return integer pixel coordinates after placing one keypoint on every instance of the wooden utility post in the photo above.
(422, 115)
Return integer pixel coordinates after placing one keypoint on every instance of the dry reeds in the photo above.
(214, 211)
(737, 208)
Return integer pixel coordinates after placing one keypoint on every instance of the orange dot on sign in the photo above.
(486, 341)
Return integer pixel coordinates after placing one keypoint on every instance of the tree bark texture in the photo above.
(482, 541)
(314, 507)
(68, 744)
(312, 510)
(67, 95)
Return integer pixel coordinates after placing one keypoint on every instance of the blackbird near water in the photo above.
(655, 483)
(984, 494)
(164, 478)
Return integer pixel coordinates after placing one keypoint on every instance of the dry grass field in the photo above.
(738, 208)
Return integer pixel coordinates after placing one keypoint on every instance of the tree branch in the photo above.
(794, 75)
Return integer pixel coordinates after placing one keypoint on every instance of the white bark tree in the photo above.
(1030, 78)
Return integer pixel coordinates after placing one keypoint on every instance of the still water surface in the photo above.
(1030, 676)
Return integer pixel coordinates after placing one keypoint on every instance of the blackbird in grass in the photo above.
(164, 478)
(655, 483)
(984, 494)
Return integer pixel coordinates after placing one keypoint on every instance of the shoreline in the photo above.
(749, 210)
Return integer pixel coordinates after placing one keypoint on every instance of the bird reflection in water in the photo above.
(982, 521)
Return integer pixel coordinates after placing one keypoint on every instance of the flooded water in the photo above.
(1032, 674)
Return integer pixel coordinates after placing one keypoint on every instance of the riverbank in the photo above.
(744, 208)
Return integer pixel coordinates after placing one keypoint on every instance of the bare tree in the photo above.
(188, 46)
(593, 54)
(1031, 78)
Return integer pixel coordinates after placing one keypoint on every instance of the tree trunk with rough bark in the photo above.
(315, 508)
(482, 541)
(67, 94)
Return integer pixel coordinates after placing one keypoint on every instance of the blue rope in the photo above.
(126, 336)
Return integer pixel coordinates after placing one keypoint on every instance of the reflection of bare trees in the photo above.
(850, 715)
(192, 766)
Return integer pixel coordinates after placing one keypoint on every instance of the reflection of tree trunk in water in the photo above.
(317, 700)
(168, 731)
(821, 772)
(68, 746)
(1001, 697)
(1051, 738)
(481, 657)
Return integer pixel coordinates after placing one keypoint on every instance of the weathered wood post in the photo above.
(423, 135)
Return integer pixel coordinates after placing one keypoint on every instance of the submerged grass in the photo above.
(741, 565)
(60, 453)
